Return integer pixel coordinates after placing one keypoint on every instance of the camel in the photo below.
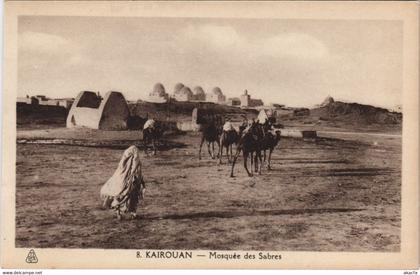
(210, 134)
(250, 143)
(227, 139)
(269, 142)
(152, 135)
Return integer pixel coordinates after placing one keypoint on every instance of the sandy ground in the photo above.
(323, 195)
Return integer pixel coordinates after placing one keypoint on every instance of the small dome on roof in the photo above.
(327, 101)
(198, 90)
(159, 89)
(217, 91)
(178, 87)
(185, 90)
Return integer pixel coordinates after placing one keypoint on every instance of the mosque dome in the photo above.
(159, 89)
(178, 87)
(217, 91)
(185, 91)
(198, 90)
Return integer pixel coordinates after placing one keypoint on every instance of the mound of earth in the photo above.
(182, 111)
(356, 113)
(38, 116)
(41, 116)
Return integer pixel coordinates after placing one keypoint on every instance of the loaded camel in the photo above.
(210, 134)
(269, 142)
(257, 138)
(152, 132)
(228, 137)
(250, 143)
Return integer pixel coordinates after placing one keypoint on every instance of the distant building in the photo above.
(277, 106)
(216, 96)
(25, 100)
(327, 101)
(397, 109)
(43, 100)
(184, 94)
(234, 101)
(65, 102)
(198, 94)
(178, 87)
(158, 94)
(247, 101)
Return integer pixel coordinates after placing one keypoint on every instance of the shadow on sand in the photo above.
(245, 213)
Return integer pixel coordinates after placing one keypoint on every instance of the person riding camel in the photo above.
(228, 126)
(149, 124)
(250, 123)
(266, 120)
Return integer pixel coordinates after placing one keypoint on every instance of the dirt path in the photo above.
(358, 134)
(324, 195)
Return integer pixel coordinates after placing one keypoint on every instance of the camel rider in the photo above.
(243, 126)
(265, 119)
(250, 123)
(150, 124)
(228, 126)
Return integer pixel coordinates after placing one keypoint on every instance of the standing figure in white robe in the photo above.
(125, 189)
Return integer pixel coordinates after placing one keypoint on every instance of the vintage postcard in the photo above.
(210, 135)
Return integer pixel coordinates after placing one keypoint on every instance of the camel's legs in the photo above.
(221, 149)
(119, 217)
(252, 161)
(218, 146)
(145, 142)
(245, 163)
(208, 147)
(258, 154)
(154, 146)
(212, 150)
(238, 151)
(256, 162)
(201, 145)
(269, 158)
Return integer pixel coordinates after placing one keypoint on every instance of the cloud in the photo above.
(219, 37)
(226, 39)
(42, 42)
(295, 45)
(44, 47)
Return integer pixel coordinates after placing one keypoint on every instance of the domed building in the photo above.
(327, 101)
(158, 94)
(178, 87)
(198, 94)
(247, 101)
(184, 94)
(216, 96)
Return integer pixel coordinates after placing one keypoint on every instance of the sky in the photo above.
(293, 62)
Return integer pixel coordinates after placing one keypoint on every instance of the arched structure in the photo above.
(91, 111)
(184, 94)
(158, 94)
(216, 96)
(198, 94)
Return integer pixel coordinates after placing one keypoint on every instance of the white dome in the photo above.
(185, 91)
(217, 91)
(159, 89)
(178, 87)
(198, 90)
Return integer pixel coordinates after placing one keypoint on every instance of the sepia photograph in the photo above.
(166, 135)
